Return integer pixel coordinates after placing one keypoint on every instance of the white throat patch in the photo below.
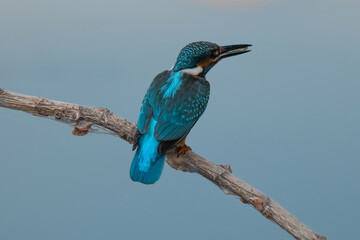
(193, 71)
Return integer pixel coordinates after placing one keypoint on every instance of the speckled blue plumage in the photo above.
(172, 105)
(193, 53)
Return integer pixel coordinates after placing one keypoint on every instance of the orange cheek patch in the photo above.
(205, 63)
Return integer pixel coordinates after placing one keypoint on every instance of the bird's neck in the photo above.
(196, 71)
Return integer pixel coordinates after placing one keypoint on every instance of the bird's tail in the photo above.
(147, 164)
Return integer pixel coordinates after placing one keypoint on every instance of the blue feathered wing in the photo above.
(180, 113)
(164, 121)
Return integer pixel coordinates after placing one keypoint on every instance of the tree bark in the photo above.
(89, 119)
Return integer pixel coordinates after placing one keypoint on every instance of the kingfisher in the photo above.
(172, 105)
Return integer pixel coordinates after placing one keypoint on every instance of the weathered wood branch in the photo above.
(86, 119)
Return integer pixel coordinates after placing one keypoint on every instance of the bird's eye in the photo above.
(214, 53)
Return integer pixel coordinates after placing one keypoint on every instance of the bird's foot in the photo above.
(182, 149)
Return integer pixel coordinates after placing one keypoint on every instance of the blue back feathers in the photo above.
(171, 85)
(171, 107)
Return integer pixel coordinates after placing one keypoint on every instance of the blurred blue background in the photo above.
(284, 116)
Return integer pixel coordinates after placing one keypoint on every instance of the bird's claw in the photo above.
(182, 149)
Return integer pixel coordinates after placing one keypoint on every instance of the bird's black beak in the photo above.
(232, 50)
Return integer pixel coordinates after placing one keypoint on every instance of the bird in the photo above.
(173, 103)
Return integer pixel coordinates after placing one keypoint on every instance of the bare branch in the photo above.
(84, 119)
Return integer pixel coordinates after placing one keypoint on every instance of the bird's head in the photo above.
(198, 58)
